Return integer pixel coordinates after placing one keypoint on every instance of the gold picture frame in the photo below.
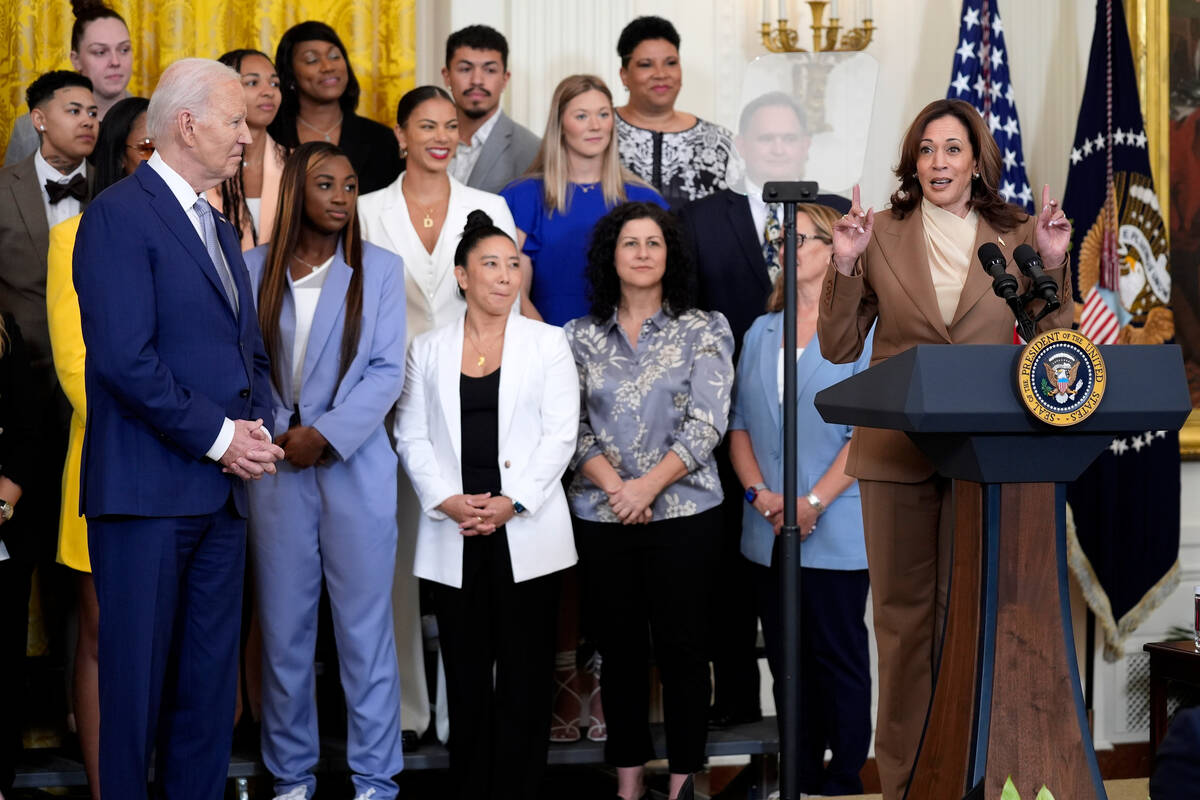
(1149, 38)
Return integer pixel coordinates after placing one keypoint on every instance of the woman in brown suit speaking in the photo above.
(911, 272)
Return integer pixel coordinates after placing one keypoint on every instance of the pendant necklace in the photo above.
(428, 221)
(311, 267)
(479, 350)
(324, 133)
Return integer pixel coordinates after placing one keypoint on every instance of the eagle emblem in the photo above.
(1063, 374)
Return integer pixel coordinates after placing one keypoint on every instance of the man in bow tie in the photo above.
(36, 194)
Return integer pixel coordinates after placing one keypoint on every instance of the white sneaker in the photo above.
(367, 795)
(295, 793)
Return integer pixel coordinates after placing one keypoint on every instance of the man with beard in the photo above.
(492, 149)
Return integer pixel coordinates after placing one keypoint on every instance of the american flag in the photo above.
(980, 76)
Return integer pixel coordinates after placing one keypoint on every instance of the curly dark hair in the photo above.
(108, 157)
(985, 197)
(604, 287)
(642, 29)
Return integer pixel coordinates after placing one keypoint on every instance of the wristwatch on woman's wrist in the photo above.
(815, 502)
(752, 492)
(6, 510)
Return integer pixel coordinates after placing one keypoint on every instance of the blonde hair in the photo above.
(551, 162)
(823, 219)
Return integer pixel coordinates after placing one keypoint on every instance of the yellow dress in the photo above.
(66, 341)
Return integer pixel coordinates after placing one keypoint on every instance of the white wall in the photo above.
(1048, 43)
(914, 43)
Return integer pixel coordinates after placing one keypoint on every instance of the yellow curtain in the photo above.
(379, 34)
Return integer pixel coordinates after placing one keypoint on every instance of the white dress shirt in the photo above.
(187, 196)
(305, 293)
(466, 156)
(759, 210)
(68, 206)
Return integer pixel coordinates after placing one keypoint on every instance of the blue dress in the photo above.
(557, 243)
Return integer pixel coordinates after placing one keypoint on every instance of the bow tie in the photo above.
(76, 187)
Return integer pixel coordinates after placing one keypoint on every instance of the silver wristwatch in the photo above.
(815, 502)
(6, 510)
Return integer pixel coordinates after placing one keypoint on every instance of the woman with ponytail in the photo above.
(102, 52)
(485, 428)
(331, 309)
(249, 198)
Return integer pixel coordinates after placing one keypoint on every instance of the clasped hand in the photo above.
(478, 514)
(304, 446)
(631, 501)
(251, 452)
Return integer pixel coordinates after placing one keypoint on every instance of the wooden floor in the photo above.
(1129, 789)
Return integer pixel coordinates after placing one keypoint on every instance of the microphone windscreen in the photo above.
(989, 252)
(1025, 254)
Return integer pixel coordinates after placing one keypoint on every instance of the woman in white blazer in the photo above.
(420, 216)
(485, 428)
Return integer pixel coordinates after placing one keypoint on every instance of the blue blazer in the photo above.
(359, 483)
(837, 542)
(350, 413)
(167, 358)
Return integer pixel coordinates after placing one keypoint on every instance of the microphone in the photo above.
(1005, 286)
(994, 263)
(1044, 286)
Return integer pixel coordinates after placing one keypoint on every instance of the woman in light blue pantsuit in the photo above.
(331, 308)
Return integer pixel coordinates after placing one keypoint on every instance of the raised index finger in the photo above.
(855, 200)
(1045, 195)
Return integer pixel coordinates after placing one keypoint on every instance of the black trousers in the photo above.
(735, 612)
(835, 671)
(497, 640)
(14, 625)
(643, 584)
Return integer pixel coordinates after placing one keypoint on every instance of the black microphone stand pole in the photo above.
(789, 193)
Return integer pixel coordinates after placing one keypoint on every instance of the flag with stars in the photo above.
(1124, 540)
(980, 76)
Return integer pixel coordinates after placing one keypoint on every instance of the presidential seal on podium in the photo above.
(1061, 377)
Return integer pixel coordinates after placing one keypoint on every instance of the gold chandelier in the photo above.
(782, 39)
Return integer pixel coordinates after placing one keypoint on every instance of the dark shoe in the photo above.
(719, 720)
(409, 741)
(687, 791)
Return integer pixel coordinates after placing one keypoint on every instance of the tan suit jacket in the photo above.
(24, 241)
(893, 290)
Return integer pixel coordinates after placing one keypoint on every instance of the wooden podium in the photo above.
(1007, 699)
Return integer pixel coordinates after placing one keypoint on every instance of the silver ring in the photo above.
(766, 513)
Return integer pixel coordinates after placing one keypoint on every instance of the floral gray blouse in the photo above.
(670, 393)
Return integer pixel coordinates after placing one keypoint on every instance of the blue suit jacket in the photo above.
(359, 483)
(837, 543)
(167, 358)
(352, 411)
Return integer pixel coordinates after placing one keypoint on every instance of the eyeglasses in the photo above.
(145, 147)
(801, 238)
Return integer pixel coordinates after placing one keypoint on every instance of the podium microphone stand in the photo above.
(789, 193)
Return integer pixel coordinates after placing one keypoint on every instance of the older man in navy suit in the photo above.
(177, 388)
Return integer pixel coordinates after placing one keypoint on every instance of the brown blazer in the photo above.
(893, 290)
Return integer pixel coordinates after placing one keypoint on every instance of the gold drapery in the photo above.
(380, 36)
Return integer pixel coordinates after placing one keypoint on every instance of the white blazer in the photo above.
(430, 289)
(538, 408)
